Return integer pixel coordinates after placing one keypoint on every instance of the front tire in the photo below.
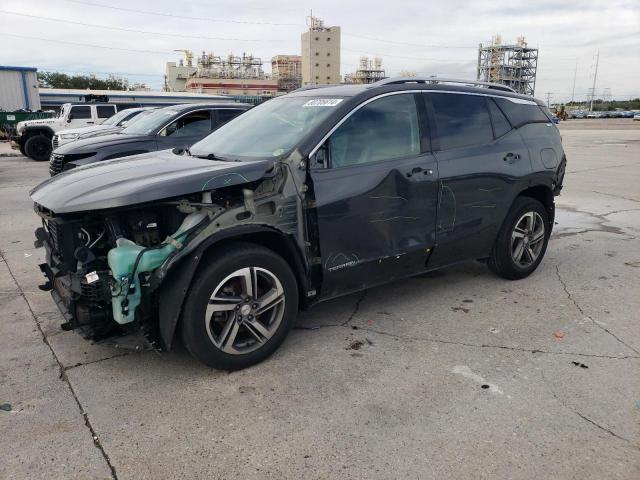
(38, 147)
(241, 306)
(522, 240)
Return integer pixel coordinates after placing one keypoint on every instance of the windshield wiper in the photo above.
(212, 156)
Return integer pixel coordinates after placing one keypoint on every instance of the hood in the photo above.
(108, 130)
(91, 144)
(32, 123)
(91, 128)
(41, 121)
(139, 179)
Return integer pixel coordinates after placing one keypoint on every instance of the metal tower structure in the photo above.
(369, 71)
(511, 65)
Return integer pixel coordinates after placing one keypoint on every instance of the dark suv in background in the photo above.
(178, 126)
(309, 196)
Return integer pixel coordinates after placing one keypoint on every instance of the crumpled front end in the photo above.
(98, 268)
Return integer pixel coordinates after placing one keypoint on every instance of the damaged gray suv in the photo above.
(309, 196)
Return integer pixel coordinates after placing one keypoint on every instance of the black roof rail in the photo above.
(458, 81)
(314, 86)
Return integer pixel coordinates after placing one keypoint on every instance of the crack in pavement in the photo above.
(620, 211)
(356, 308)
(582, 312)
(616, 196)
(600, 223)
(358, 303)
(343, 324)
(63, 375)
(583, 416)
(608, 167)
(501, 347)
(82, 364)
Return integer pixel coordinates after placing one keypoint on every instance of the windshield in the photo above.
(149, 123)
(138, 116)
(268, 130)
(115, 119)
(63, 111)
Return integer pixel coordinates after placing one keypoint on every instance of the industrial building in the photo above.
(369, 71)
(231, 75)
(175, 76)
(220, 75)
(287, 71)
(511, 65)
(320, 54)
(19, 89)
(233, 86)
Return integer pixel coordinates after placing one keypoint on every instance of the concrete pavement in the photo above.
(454, 374)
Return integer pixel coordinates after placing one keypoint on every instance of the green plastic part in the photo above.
(126, 291)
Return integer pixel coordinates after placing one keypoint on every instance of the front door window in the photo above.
(384, 129)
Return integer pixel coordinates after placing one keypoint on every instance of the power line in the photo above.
(121, 29)
(389, 55)
(107, 47)
(184, 17)
(394, 42)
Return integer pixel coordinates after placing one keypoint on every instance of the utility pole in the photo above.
(548, 94)
(595, 76)
(575, 73)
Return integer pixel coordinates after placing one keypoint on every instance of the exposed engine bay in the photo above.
(99, 265)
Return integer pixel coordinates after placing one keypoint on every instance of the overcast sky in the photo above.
(426, 37)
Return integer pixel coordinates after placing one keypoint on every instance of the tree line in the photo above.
(62, 80)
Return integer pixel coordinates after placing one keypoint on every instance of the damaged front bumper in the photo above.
(83, 304)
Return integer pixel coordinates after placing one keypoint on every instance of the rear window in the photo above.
(461, 120)
(520, 114)
(105, 111)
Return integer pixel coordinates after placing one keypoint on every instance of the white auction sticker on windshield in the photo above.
(323, 102)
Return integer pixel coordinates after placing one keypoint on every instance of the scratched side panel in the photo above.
(477, 187)
(375, 222)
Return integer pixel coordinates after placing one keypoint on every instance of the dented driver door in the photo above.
(375, 195)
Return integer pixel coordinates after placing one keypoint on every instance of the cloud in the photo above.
(413, 35)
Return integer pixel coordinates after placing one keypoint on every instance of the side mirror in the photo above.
(69, 119)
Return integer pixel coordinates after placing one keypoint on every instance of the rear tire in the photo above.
(240, 308)
(38, 147)
(522, 240)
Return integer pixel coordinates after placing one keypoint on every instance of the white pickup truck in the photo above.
(34, 136)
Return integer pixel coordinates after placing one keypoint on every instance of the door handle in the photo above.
(89, 122)
(511, 157)
(416, 170)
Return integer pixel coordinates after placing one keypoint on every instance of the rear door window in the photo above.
(461, 120)
(105, 111)
(501, 125)
(80, 112)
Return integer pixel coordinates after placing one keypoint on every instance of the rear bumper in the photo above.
(557, 185)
